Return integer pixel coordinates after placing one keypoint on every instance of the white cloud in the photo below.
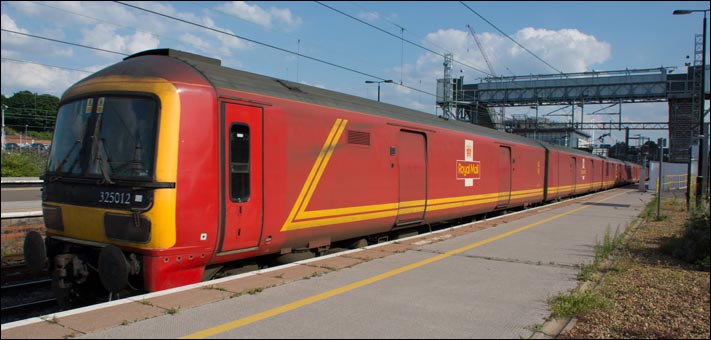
(37, 78)
(105, 37)
(568, 50)
(270, 18)
(141, 41)
(194, 40)
(246, 12)
(230, 42)
(76, 13)
(13, 38)
(284, 16)
(14, 44)
(120, 28)
(369, 16)
(9, 24)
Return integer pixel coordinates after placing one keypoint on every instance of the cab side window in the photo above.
(239, 163)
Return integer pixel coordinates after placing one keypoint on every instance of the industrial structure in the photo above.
(475, 102)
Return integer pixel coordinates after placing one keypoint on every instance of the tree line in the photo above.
(37, 114)
(31, 112)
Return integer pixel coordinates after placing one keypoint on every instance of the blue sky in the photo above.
(570, 36)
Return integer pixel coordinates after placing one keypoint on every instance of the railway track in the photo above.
(28, 297)
(16, 272)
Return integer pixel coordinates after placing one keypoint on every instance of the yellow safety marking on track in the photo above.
(334, 292)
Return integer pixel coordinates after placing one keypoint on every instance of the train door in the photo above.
(412, 164)
(618, 174)
(546, 178)
(241, 195)
(573, 173)
(504, 176)
(592, 175)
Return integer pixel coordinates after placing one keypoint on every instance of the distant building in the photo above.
(547, 131)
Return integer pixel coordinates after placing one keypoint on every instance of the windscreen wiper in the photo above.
(66, 158)
(103, 162)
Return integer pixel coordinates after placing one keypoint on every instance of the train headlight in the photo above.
(53, 217)
(132, 228)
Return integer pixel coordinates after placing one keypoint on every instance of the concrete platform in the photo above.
(27, 204)
(489, 279)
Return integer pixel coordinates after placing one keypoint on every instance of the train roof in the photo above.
(224, 77)
(571, 150)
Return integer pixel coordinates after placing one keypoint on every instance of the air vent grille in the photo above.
(358, 137)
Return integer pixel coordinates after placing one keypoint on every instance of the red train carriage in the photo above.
(574, 172)
(167, 165)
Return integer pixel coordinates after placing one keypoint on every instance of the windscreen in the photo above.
(109, 137)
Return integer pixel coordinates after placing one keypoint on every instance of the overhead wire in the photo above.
(393, 35)
(64, 42)
(46, 65)
(121, 26)
(300, 40)
(510, 38)
(264, 44)
(396, 24)
(561, 73)
(246, 39)
(125, 54)
(382, 30)
(402, 36)
(92, 18)
(252, 41)
(410, 42)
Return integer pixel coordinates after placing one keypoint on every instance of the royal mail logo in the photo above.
(468, 169)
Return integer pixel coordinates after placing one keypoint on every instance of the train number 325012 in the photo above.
(115, 197)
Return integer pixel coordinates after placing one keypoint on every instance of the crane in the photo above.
(486, 59)
(483, 54)
(602, 138)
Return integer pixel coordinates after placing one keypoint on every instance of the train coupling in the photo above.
(69, 269)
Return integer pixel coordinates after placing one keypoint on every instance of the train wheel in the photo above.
(35, 251)
(360, 243)
(295, 256)
(113, 269)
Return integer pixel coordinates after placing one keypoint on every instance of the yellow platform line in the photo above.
(334, 292)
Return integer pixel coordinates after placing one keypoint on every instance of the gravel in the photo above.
(652, 295)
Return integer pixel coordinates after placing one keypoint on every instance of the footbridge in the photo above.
(618, 87)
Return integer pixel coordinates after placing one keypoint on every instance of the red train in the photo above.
(167, 165)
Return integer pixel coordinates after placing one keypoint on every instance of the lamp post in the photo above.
(3, 127)
(700, 183)
(378, 82)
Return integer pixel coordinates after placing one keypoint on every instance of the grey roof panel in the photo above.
(224, 77)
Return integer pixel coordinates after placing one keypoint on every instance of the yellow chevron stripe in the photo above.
(299, 218)
(339, 126)
(315, 174)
